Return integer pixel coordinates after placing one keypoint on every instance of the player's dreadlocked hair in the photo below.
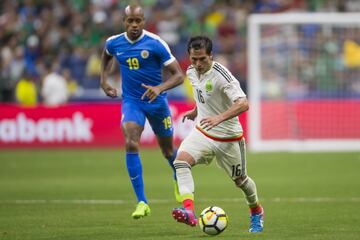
(200, 42)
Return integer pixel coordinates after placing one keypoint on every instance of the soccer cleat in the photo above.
(185, 216)
(257, 222)
(142, 210)
(177, 193)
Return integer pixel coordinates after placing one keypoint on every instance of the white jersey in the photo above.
(214, 92)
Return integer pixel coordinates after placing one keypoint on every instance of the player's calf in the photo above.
(176, 192)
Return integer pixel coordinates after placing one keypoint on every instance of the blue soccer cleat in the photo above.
(257, 222)
(185, 216)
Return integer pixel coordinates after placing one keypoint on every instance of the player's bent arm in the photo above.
(105, 65)
(239, 106)
(176, 78)
(191, 114)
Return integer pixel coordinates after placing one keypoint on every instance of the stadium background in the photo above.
(48, 192)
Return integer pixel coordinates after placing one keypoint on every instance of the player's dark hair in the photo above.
(200, 42)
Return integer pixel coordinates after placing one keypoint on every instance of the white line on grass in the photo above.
(159, 201)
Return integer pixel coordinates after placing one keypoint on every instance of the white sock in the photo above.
(249, 189)
(184, 177)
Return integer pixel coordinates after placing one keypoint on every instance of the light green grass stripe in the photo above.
(160, 201)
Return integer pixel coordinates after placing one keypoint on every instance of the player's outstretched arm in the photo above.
(239, 106)
(176, 78)
(191, 115)
(105, 65)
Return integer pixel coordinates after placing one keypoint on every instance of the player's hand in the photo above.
(151, 92)
(191, 115)
(109, 91)
(208, 123)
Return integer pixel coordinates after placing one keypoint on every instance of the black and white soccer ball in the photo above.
(213, 220)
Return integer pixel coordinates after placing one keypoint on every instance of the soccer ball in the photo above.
(213, 220)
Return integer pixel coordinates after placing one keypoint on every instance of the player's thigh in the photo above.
(231, 156)
(132, 112)
(198, 146)
(132, 121)
(159, 117)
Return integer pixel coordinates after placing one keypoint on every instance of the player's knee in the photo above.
(240, 180)
(184, 157)
(131, 145)
(168, 153)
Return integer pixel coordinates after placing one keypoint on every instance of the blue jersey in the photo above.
(141, 61)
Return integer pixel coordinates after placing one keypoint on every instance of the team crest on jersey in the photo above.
(144, 54)
(208, 87)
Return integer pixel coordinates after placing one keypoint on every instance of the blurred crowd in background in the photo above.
(307, 61)
(50, 50)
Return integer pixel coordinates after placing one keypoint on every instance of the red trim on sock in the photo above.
(256, 210)
(188, 204)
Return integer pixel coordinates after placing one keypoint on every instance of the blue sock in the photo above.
(171, 160)
(134, 168)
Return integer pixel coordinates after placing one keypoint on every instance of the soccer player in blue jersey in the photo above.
(142, 56)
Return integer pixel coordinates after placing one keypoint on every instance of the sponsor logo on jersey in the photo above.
(144, 54)
(208, 87)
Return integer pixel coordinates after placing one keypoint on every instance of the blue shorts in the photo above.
(157, 113)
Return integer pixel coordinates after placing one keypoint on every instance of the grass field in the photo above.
(86, 194)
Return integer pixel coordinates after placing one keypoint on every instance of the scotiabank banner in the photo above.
(76, 125)
(79, 125)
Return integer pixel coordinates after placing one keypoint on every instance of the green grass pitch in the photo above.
(86, 194)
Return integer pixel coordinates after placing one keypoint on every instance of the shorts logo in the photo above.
(144, 54)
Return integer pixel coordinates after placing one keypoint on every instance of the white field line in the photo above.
(162, 201)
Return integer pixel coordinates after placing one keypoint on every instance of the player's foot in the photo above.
(177, 193)
(185, 216)
(257, 222)
(142, 210)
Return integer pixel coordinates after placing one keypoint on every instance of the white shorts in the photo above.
(229, 155)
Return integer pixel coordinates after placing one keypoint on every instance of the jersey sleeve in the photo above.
(164, 52)
(229, 84)
(233, 90)
(108, 46)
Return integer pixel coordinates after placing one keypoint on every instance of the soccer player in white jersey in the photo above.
(217, 133)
